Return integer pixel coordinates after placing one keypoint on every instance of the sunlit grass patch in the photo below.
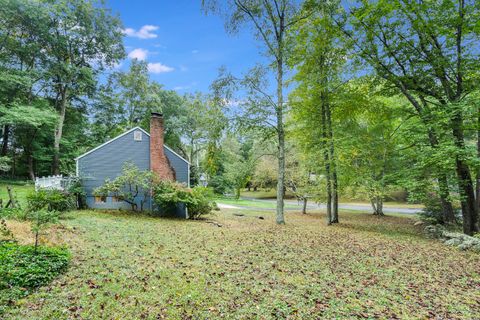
(20, 190)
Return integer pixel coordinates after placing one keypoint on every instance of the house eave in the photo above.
(123, 134)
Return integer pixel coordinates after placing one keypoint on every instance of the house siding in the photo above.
(107, 162)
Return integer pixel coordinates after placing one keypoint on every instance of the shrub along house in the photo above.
(145, 150)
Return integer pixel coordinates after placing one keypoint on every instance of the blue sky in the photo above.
(184, 47)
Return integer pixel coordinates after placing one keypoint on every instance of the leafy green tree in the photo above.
(132, 185)
(240, 163)
(319, 58)
(265, 175)
(41, 220)
(371, 136)
(28, 121)
(127, 99)
(270, 20)
(79, 39)
(426, 50)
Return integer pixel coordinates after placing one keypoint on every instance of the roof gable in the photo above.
(124, 134)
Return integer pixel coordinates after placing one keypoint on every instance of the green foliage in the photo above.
(201, 202)
(169, 195)
(12, 213)
(5, 163)
(433, 211)
(22, 269)
(41, 220)
(219, 184)
(51, 200)
(131, 186)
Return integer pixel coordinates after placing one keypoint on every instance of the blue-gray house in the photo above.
(146, 150)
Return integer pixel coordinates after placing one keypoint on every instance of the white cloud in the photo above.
(145, 32)
(179, 88)
(117, 66)
(140, 54)
(159, 68)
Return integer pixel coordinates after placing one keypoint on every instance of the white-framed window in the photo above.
(137, 135)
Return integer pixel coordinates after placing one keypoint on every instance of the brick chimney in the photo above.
(158, 160)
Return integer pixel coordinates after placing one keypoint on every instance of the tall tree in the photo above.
(426, 49)
(79, 39)
(127, 99)
(319, 58)
(270, 20)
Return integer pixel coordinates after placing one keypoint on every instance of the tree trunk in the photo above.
(465, 184)
(374, 205)
(5, 135)
(333, 164)
(447, 207)
(477, 191)
(377, 204)
(31, 172)
(62, 105)
(281, 174)
(280, 130)
(327, 161)
(304, 207)
(444, 194)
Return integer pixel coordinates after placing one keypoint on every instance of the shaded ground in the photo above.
(138, 267)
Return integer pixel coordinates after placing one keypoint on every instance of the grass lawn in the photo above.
(264, 194)
(272, 194)
(251, 203)
(20, 190)
(138, 267)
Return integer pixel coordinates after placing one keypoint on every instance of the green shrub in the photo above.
(41, 219)
(167, 195)
(22, 269)
(201, 202)
(52, 200)
(78, 193)
(132, 186)
(11, 213)
(220, 184)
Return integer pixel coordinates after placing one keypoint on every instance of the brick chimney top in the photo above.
(158, 160)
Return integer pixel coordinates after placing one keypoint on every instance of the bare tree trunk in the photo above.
(59, 132)
(5, 135)
(465, 184)
(447, 207)
(281, 172)
(326, 158)
(448, 213)
(333, 164)
(304, 207)
(380, 206)
(477, 191)
(377, 204)
(444, 194)
(280, 130)
(31, 172)
(374, 205)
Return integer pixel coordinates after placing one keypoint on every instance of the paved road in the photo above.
(294, 205)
